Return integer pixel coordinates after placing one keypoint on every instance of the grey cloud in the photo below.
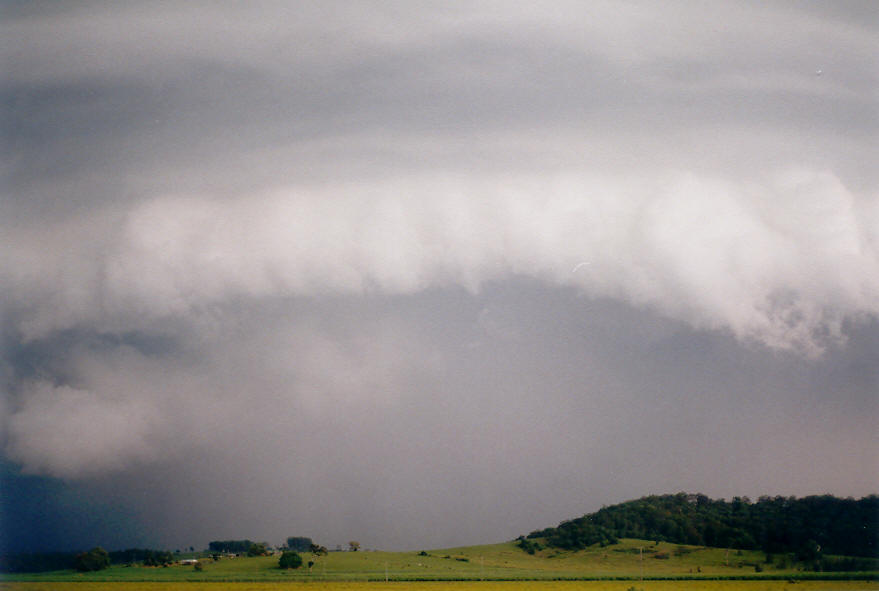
(394, 414)
(208, 88)
(587, 402)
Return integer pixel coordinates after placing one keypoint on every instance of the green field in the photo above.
(462, 586)
(630, 560)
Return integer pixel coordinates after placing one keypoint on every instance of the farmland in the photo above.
(626, 562)
(461, 586)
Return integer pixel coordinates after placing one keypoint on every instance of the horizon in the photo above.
(344, 547)
(429, 275)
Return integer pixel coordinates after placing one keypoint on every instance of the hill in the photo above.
(808, 528)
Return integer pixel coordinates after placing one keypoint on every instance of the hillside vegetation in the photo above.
(809, 528)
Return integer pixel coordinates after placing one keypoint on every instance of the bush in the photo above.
(529, 546)
(95, 559)
(157, 558)
(290, 560)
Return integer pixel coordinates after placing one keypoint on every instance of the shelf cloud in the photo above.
(401, 266)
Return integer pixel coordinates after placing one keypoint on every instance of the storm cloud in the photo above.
(430, 274)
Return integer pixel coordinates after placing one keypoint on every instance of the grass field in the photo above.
(460, 586)
(630, 560)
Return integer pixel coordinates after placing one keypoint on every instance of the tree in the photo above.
(299, 543)
(259, 549)
(318, 550)
(95, 559)
(289, 559)
(157, 558)
(527, 545)
(354, 546)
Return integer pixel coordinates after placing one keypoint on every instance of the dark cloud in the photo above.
(552, 408)
(424, 276)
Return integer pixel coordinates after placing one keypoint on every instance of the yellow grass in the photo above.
(456, 586)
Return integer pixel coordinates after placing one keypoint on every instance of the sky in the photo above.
(427, 274)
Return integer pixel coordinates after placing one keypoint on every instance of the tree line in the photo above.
(98, 559)
(95, 559)
(808, 527)
(230, 546)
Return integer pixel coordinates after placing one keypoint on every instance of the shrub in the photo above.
(157, 558)
(290, 560)
(95, 559)
(528, 546)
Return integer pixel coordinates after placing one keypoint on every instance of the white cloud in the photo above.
(782, 262)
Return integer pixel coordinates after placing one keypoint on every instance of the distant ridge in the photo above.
(808, 527)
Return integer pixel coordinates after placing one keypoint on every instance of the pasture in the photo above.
(620, 566)
(457, 586)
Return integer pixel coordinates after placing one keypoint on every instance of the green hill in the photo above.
(810, 528)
